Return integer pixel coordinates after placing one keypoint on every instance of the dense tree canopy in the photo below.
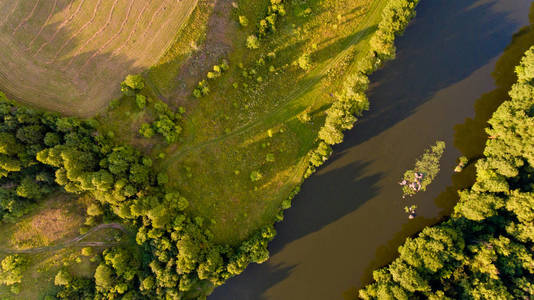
(485, 251)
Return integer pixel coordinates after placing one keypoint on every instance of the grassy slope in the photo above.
(226, 135)
(77, 52)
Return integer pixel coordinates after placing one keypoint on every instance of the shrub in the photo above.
(243, 21)
(132, 85)
(140, 100)
(255, 176)
(253, 42)
(63, 278)
(304, 62)
(146, 130)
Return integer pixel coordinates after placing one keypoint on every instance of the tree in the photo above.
(132, 85)
(29, 189)
(104, 276)
(63, 278)
(12, 268)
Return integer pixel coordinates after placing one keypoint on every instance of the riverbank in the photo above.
(352, 194)
(484, 249)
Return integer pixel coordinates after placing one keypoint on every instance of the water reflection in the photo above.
(348, 219)
(470, 138)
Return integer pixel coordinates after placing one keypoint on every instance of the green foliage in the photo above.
(140, 100)
(243, 21)
(202, 89)
(484, 251)
(146, 130)
(253, 42)
(12, 267)
(63, 278)
(427, 166)
(268, 24)
(132, 85)
(256, 176)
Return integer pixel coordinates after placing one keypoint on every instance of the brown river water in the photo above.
(454, 67)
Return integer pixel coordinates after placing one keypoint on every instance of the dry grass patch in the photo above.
(71, 55)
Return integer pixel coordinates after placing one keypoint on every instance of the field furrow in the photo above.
(95, 11)
(6, 18)
(50, 15)
(63, 24)
(115, 36)
(71, 55)
(102, 29)
(27, 18)
(132, 32)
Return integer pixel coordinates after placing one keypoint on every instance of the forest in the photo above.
(485, 249)
(171, 182)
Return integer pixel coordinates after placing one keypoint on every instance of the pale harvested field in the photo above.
(71, 55)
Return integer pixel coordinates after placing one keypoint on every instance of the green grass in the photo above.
(51, 223)
(226, 133)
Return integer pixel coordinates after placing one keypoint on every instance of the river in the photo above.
(453, 68)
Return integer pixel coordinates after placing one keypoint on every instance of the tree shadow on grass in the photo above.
(38, 70)
(423, 67)
(323, 200)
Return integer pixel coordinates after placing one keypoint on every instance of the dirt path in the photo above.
(75, 242)
(280, 114)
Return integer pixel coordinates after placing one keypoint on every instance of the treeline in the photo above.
(485, 250)
(179, 259)
(23, 134)
(351, 101)
(166, 122)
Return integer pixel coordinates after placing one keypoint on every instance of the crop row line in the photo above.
(102, 29)
(63, 24)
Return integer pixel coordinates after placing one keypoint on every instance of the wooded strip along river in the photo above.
(455, 61)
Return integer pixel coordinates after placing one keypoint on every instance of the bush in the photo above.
(132, 85)
(256, 176)
(140, 100)
(63, 278)
(146, 130)
(253, 42)
(243, 21)
(304, 62)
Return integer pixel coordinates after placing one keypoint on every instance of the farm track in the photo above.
(280, 114)
(75, 242)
